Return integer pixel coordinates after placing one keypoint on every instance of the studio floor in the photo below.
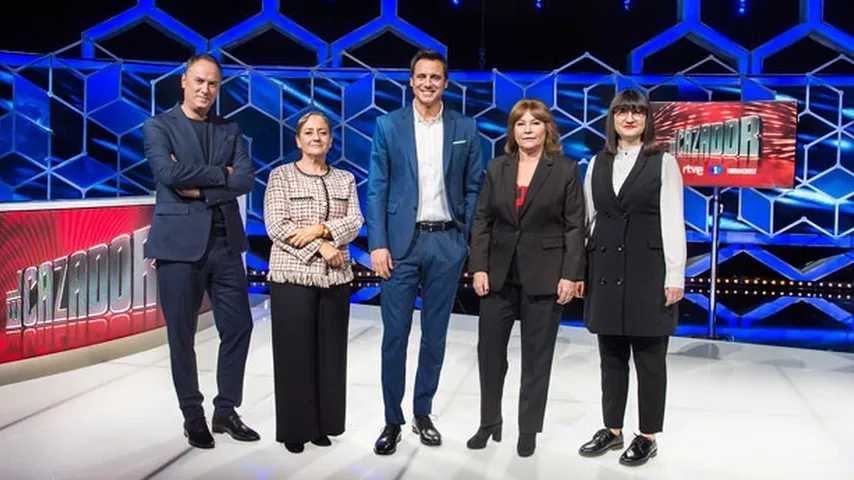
(735, 411)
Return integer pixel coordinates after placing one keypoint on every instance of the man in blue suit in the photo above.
(200, 167)
(425, 174)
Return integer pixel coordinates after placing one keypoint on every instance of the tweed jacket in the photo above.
(295, 199)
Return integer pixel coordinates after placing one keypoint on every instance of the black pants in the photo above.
(650, 362)
(181, 286)
(540, 319)
(309, 326)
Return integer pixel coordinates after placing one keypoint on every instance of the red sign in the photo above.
(730, 144)
(74, 277)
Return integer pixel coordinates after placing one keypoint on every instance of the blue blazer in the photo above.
(392, 200)
(180, 227)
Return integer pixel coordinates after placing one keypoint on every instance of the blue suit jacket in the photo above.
(392, 200)
(180, 227)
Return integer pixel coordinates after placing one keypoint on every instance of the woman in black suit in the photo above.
(527, 255)
(636, 260)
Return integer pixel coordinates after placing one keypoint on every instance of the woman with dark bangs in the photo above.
(636, 271)
(527, 255)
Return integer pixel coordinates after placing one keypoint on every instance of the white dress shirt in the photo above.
(429, 140)
(670, 204)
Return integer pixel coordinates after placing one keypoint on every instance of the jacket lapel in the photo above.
(605, 167)
(216, 137)
(449, 127)
(408, 140)
(507, 192)
(541, 173)
(186, 132)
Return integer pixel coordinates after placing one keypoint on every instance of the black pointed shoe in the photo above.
(481, 437)
(423, 426)
(234, 426)
(527, 444)
(386, 444)
(197, 433)
(602, 441)
(322, 441)
(641, 450)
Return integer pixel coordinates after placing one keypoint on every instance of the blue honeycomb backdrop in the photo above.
(70, 122)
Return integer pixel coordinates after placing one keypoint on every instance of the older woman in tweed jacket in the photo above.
(311, 211)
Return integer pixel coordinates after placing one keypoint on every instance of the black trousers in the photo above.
(309, 327)
(650, 362)
(181, 286)
(540, 319)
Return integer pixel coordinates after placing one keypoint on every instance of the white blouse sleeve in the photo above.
(588, 197)
(672, 222)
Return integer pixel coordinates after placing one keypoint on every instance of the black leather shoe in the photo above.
(481, 437)
(527, 444)
(389, 438)
(602, 441)
(423, 426)
(295, 447)
(234, 426)
(322, 441)
(641, 450)
(197, 433)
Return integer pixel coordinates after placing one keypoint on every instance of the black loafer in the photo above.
(386, 444)
(602, 441)
(641, 450)
(423, 426)
(197, 433)
(234, 426)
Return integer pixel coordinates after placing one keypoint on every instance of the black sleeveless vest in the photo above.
(625, 260)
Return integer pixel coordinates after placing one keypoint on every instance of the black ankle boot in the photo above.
(479, 439)
(527, 444)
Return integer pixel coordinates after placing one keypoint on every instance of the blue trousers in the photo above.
(433, 264)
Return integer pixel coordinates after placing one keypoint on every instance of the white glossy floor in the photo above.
(734, 412)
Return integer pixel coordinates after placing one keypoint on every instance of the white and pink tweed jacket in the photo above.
(295, 199)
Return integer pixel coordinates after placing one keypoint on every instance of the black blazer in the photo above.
(180, 226)
(547, 235)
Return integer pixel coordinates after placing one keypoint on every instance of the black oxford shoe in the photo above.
(386, 444)
(602, 441)
(425, 429)
(641, 450)
(197, 433)
(234, 426)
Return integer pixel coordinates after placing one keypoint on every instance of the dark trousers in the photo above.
(309, 327)
(650, 362)
(181, 286)
(540, 319)
(434, 264)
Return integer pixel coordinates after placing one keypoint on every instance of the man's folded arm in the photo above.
(171, 173)
(239, 182)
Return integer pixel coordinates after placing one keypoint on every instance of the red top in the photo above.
(521, 191)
